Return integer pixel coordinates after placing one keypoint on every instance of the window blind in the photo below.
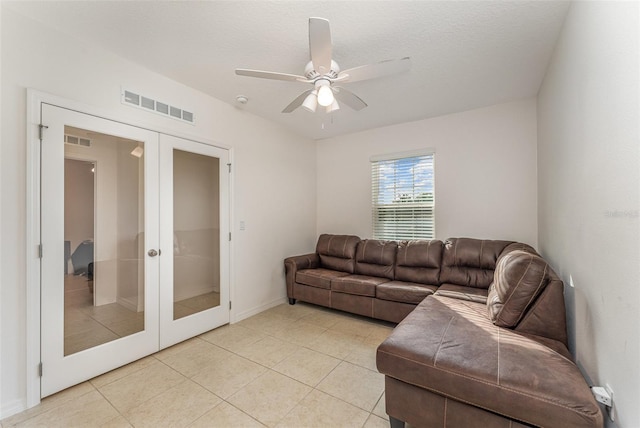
(403, 197)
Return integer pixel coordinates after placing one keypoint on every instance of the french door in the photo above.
(194, 232)
(133, 258)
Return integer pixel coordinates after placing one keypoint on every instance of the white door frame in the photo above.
(33, 270)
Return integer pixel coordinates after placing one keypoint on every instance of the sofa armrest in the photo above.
(293, 264)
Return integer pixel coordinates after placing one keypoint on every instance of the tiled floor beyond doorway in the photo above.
(291, 366)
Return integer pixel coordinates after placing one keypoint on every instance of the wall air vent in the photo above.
(145, 103)
(77, 141)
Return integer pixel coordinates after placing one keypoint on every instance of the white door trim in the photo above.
(33, 269)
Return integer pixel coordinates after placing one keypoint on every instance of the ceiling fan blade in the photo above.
(380, 69)
(268, 75)
(297, 102)
(349, 98)
(320, 44)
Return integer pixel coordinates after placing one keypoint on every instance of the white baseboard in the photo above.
(128, 303)
(12, 407)
(184, 293)
(251, 312)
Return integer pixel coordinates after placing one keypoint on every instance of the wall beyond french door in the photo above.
(132, 259)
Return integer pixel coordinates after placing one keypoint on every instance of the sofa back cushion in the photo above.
(337, 252)
(517, 246)
(376, 258)
(518, 280)
(419, 261)
(547, 315)
(470, 262)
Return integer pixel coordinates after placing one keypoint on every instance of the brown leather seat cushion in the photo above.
(361, 285)
(450, 347)
(405, 292)
(463, 292)
(320, 277)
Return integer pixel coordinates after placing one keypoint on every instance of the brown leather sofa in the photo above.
(481, 339)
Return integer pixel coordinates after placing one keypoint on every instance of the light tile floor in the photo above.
(291, 366)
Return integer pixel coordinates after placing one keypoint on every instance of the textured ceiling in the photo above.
(464, 54)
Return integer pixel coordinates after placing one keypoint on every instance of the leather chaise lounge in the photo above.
(481, 339)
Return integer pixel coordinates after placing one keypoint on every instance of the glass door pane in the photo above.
(196, 233)
(103, 238)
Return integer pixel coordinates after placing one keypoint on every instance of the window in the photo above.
(403, 202)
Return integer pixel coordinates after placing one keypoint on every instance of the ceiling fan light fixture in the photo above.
(311, 102)
(333, 107)
(325, 95)
(137, 152)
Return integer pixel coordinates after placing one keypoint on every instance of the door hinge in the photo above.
(41, 129)
(39, 251)
(229, 304)
(40, 369)
(229, 236)
(229, 165)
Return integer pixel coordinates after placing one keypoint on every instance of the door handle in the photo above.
(152, 253)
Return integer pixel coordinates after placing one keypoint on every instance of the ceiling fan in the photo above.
(323, 73)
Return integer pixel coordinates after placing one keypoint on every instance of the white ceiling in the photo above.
(464, 54)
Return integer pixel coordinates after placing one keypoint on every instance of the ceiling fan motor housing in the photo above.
(311, 74)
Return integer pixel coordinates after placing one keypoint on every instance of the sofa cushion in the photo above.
(450, 347)
(405, 292)
(337, 252)
(519, 278)
(463, 292)
(515, 247)
(361, 285)
(419, 261)
(470, 262)
(376, 258)
(320, 277)
(547, 316)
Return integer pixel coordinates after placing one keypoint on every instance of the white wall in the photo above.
(589, 190)
(485, 173)
(274, 172)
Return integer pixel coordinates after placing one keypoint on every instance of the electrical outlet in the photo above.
(611, 411)
(602, 395)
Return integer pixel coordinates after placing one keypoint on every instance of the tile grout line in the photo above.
(295, 405)
(113, 406)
